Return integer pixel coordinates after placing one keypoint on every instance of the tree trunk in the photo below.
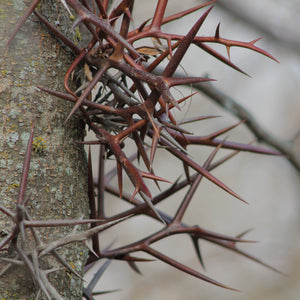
(57, 177)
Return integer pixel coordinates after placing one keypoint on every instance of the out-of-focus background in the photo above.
(269, 184)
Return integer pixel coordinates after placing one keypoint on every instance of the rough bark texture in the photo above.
(57, 179)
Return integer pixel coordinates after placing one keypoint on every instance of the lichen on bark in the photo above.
(57, 177)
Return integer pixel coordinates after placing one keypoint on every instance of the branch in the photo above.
(282, 32)
(236, 109)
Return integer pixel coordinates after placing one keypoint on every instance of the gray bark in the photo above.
(57, 178)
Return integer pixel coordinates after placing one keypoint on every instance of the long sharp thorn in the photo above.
(232, 246)
(154, 177)
(153, 147)
(187, 172)
(198, 252)
(186, 12)
(98, 275)
(220, 57)
(201, 170)
(150, 204)
(173, 81)
(222, 131)
(183, 47)
(120, 180)
(184, 268)
(28, 12)
(134, 267)
(217, 34)
(104, 292)
(26, 166)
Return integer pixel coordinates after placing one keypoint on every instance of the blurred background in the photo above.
(269, 184)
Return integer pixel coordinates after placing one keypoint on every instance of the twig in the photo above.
(283, 32)
(231, 105)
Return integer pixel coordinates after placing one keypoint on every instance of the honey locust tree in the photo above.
(48, 205)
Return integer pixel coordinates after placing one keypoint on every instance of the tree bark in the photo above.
(57, 178)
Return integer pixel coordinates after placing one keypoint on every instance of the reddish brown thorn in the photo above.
(132, 172)
(184, 268)
(120, 180)
(187, 97)
(261, 51)
(128, 257)
(151, 206)
(28, 12)
(242, 147)
(183, 47)
(222, 131)
(155, 139)
(176, 128)
(165, 110)
(141, 27)
(196, 119)
(198, 168)
(154, 177)
(71, 98)
(219, 56)
(161, 111)
(231, 245)
(136, 190)
(188, 197)
(186, 12)
(173, 81)
(72, 67)
(222, 160)
(26, 166)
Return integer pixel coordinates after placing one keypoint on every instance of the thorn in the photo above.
(228, 51)
(154, 177)
(28, 12)
(254, 41)
(150, 204)
(134, 267)
(136, 190)
(120, 180)
(197, 249)
(217, 34)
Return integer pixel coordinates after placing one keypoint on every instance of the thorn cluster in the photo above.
(133, 103)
